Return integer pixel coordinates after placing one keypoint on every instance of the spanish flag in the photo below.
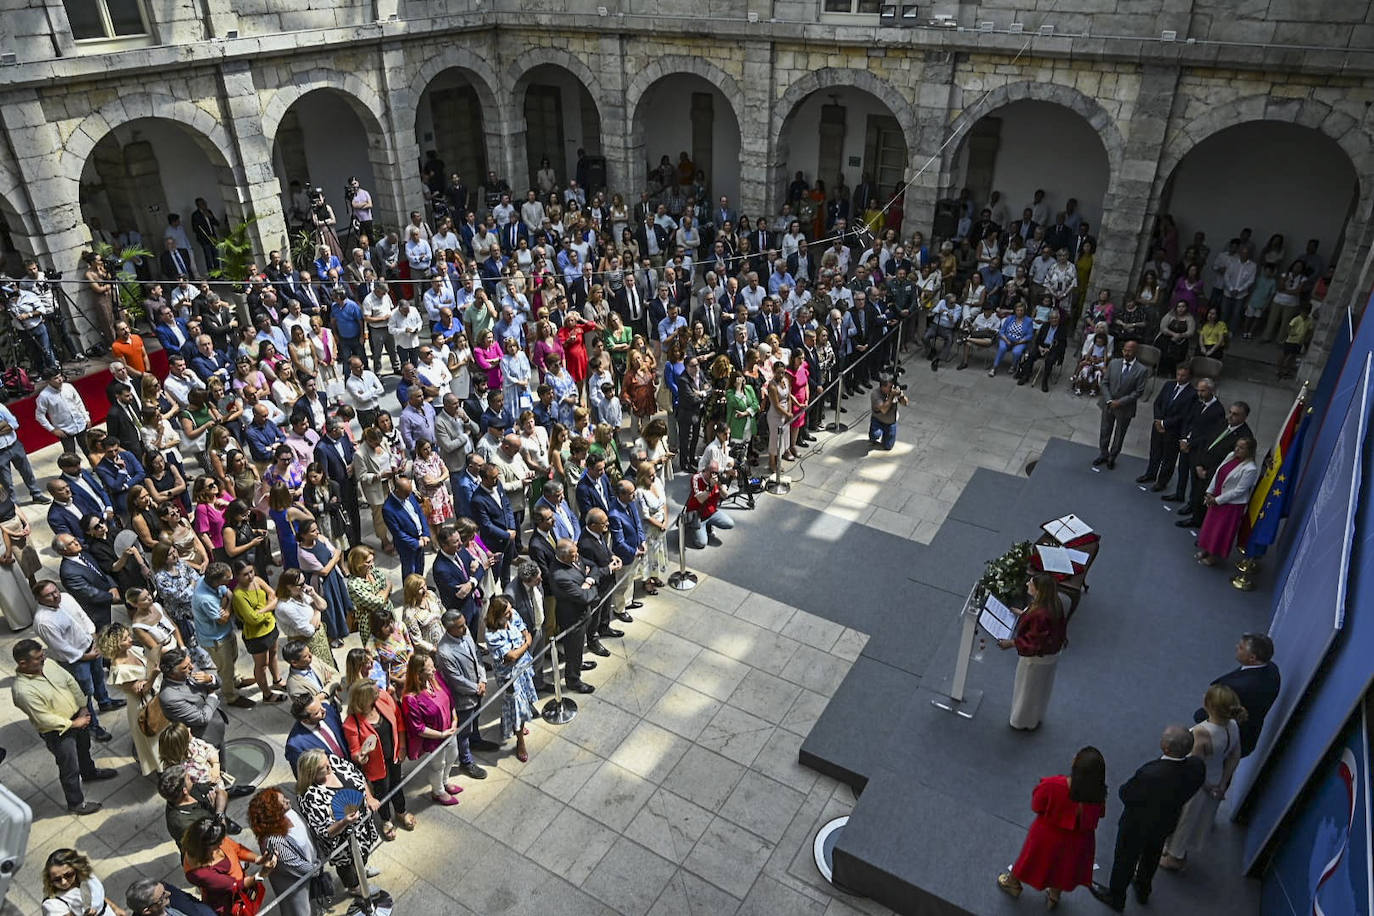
(1269, 502)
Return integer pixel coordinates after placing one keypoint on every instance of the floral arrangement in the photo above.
(1005, 577)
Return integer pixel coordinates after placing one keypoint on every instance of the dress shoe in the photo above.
(623, 617)
(589, 665)
(1157, 488)
(232, 826)
(961, 366)
(1104, 893)
(1045, 386)
(610, 633)
(41, 499)
(1185, 523)
(98, 775)
(240, 791)
(935, 365)
(100, 734)
(88, 807)
(1099, 461)
(1111, 464)
(844, 410)
(244, 683)
(112, 704)
(1173, 498)
(634, 605)
(1144, 478)
(596, 648)
(1142, 897)
(482, 744)
(580, 687)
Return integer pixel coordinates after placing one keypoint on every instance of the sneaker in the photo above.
(472, 771)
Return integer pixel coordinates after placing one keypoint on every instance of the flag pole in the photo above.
(1247, 566)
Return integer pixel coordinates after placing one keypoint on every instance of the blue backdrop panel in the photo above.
(1328, 564)
(1322, 864)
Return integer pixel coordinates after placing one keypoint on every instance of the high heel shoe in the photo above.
(1009, 884)
(1051, 899)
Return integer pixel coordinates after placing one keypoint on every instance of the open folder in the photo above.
(996, 618)
(1067, 528)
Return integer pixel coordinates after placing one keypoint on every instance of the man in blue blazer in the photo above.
(171, 331)
(594, 489)
(85, 581)
(467, 483)
(318, 727)
(335, 452)
(88, 492)
(627, 543)
(491, 510)
(64, 515)
(406, 521)
(565, 523)
(452, 579)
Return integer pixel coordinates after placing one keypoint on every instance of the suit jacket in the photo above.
(660, 236)
(168, 339)
(627, 530)
(1156, 794)
(302, 409)
(1257, 689)
(1060, 344)
(1204, 422)
(399, 523)
(1212, 452)
(1172, 407)
(463, 494)
(336, 469)
(119, 425)
(1124, 387)
(767, 324)
(457, 663)
(449, 574)
(301, 739)
(593, 495)
(597, 552)
(197, 707)
(169, 265)
(299, 684)
(530, 611)
(794, 261)
(620, 301)
(62, 521)
(83, 500)
(494, 517)
(712, 318)
(89, 586)
(453, 440)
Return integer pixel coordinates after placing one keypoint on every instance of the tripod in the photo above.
(742, 497)
(58, 333)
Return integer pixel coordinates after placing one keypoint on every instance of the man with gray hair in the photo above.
(457, 662)
(1153, 798)
(453, 430)
(147, 897)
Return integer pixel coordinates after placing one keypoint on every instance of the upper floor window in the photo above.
(105, 20)
(853, 6)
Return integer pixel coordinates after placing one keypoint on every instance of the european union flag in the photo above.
(1275, 508)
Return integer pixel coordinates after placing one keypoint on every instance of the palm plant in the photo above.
(130, 290)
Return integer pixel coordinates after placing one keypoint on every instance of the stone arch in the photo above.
(518, 74)
(364, 101)
(1085, 106)
(829, 77)
(483, 77)
(200, 124)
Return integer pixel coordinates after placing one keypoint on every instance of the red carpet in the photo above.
(92, 389)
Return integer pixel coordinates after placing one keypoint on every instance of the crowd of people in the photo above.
(555, 362)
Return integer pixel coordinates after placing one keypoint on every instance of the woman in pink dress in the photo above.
(487, 355)
(800, 374)
(545, 343)
(1189, 288)
(1227, 499)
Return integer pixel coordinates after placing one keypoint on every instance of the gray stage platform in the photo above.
(946, 801)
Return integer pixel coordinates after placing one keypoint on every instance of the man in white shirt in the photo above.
(377, 309)
(365, 389)
(532, 213)
(434, 374)
(1040, 208)
(944, 321)
(753, 294)
(1239, 279)
(69, 635)
(982, 332)
(503, 212)
(180, 380)
(404, 327)
(12, 454)
(60, 410)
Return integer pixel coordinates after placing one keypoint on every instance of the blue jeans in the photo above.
(42, 345)
(1016, 351)
(1233, 309)
(13, 455)
(884, 434)
(91, 676)
(698, 534)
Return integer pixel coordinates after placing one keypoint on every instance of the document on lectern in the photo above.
(1055, 559)
(997, 619)
(1067, 528)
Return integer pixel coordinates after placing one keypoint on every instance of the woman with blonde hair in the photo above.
(653, 508)
(375, 734)
(133, 673)
(70, 887)
(368, 587)
(422, 613)
(1216, 740)
(319, 777)
(176, 744)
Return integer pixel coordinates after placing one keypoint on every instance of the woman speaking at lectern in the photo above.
(1039, 635)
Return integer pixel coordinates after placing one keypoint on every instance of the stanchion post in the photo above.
(560, 710)
(355, 851)
(684, 580)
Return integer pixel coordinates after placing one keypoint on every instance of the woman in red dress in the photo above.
(1227, 499)
(574, 346)
(1058, 853)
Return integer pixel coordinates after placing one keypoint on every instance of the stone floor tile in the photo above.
(561, 770)
(650, 752)
(669, 824)
(714, 674)
(779, 760)
(634, 689)
(629, 878)
(850, 644)
(736, 734)
(718, 594)
(815, 670)
(804, 712)
(572, 845)
(688, 895)
(813, 631)
(769, 897)
(765, 696)
(665, 653)
(519, 815)
(763, 611)
(729, 857)
(613, 796)
(683, 711)
(704, 777)
(762, 806)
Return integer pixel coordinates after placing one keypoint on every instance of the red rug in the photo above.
(92, 389)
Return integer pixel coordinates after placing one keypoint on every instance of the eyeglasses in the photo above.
(62, 876)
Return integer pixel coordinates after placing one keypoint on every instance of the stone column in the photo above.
(1127, 207)
(400, 123)
(1349, 288)
(932, 125)
(755, 142)
(621, 169)
(258, 188)
(52, 182)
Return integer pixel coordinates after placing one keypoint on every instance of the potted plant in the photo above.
(235, 252)
(128, 287)
(1005, 577)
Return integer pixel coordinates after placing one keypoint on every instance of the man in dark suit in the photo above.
(629, 302)
(1048, 347)
(595, 547)
(649, 229)
(317, 727)
(406, 521)
(64, 515)
(175, 262)
(1206, 417)
(123, 421)
(86, 582)
(1153, 797)
(574, 586)
(335, 453)
(1208, 454)
(1171, 408)
(801, 264)
(594, 489)
(88, 492)
(1256, 683)
(453, 579)
(526, 594)
(1122, 385)
(495, 518)
(628, 541)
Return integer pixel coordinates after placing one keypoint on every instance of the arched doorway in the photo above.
(561, 118)
(325, 137)
(1028, 146)
(1272, 177)
(450, 121)
(686, 113)
(143, 171)
(15, 244)
(850, 140)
